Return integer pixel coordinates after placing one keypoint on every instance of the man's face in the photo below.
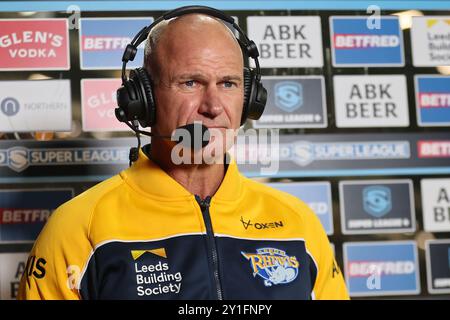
(200, 79)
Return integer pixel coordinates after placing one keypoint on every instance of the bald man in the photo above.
(160, 230)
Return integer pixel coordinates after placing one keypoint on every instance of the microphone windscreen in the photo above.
(194, 135)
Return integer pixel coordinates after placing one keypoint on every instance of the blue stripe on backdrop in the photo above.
(133, 5)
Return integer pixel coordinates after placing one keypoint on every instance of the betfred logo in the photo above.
(103, 40)
(360, 41)
(432, 100)
(433, 149)
(357, 42)
(12, 216)
(367, 268)
(30, 44)
(23, 213)
(98, 101)
(381, 268)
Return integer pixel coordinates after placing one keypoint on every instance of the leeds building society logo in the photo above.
(273, 265)
(155, 278)
(377, 200)
(288, 95)
(9, 106)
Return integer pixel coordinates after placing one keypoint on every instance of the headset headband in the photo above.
(246, 44)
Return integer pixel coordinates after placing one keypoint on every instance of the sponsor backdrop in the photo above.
(361, 102)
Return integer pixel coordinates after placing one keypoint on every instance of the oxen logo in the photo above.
(273, 265)
(377, 200)
(288, 95)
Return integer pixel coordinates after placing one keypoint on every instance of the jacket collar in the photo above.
(146, 176)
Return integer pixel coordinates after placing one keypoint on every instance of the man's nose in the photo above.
(211, 105)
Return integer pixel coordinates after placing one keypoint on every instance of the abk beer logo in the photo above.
(378, 206)
(294, 102)
(436, 204)
(12, 266)
(354, 44)
(34, 44)
(103, 41)
(383, 268)
(287, 41)
(432, 100)
(98, 101)
(39, 105)
(371, 101)
(317, 195)
(430, 41)
(23, 213)
(438, 265)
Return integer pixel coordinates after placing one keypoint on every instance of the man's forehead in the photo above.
(192, 27)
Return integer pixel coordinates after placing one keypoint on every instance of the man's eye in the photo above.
(228, 84)
(189, 83)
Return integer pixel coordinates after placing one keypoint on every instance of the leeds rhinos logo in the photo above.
(273, 265)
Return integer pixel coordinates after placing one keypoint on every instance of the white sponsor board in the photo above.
(287, 41)
(436, 204)
(371, 101)
(41, 105)
(12, 265)
(430, 41)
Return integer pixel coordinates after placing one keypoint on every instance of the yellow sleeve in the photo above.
(330, 284)
(57, 258)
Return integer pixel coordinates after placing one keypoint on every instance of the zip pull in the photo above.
(204, 203)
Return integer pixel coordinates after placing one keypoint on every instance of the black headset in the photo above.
(135, 97)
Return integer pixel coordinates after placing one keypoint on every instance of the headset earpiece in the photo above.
(135, 99)
(255, 96)
(142, 79)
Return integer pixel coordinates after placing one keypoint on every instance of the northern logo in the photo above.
(10, 106)
(377, 200)
(288, 95)
(273, 265)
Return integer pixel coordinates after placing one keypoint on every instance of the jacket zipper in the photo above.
(204, 206)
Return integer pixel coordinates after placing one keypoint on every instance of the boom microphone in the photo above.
(193, 135)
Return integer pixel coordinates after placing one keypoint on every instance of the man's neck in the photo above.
(199, 179)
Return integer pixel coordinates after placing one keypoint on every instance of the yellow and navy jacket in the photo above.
(141, 235)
